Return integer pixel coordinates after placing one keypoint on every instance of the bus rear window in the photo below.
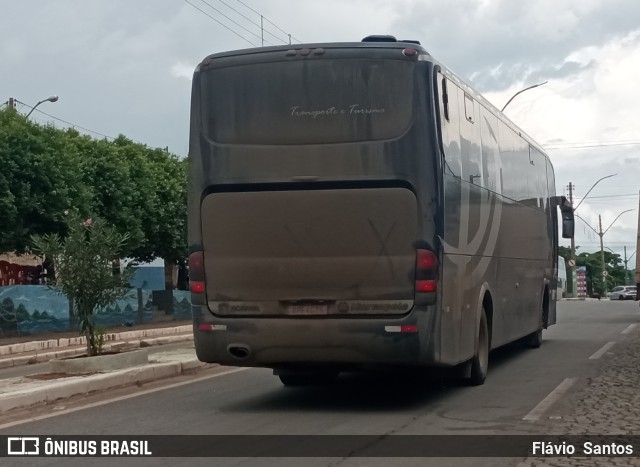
(308, 102)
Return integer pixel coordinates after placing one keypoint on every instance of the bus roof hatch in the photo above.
(383, 38)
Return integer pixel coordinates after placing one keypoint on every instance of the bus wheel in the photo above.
(534, 340)
(480, 361)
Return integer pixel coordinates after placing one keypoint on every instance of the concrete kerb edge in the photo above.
(46, 356)
(26, 397)
(65, 342)
(80, 340)
(38, 358)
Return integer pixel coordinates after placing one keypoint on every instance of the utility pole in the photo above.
(572, 262)
(629, 279)
(12, 103)
(626, 271)
(638, 256)
(600, 234)
(604, 270)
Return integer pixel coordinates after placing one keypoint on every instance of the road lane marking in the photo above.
(629, 328)
(551, 399)
(120, 398)
(604, 349)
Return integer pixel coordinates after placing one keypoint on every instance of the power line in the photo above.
(268, 21)
(228, 18)
(635, 195)
(72, 125)
(617, 243)
(608, 203)
(235, 22)
(253, 22)
(220, 23)
(592, 145)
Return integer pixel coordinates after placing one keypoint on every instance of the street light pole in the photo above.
(48, 99)
(638, 256)
(626, 261)
(520, 92)
(11, 103)
(604, 271)
(572, 263)
(601, 234)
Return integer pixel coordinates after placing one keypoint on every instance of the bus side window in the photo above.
(450, 119)
(445, 99)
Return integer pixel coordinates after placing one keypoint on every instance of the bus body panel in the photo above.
(345, 342)
(497, 219)
(332, 252)
(341, 132)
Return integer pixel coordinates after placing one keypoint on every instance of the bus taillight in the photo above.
(426, 277)
(196, 272)
(426, 286)
(426, 260)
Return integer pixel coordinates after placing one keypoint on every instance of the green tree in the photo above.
(38, 181)
(141, 192)
(83, 262)
(565, 252)
(169, 235)
(138, 190)
(107, 171)
(593, 263)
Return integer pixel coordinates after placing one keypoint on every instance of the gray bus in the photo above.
(357, 205)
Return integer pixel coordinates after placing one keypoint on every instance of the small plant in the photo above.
(101, 334)
(84, 264)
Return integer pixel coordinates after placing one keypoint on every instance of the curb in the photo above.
(37, 392)
(114, 345)
(80, 340)
(39, 358)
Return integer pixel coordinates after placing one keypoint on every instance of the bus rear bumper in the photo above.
(278, 342)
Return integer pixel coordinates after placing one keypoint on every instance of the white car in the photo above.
(623, 292)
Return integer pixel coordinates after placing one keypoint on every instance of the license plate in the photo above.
(308, 309)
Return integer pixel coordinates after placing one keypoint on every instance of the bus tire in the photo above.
(534, 340)
(480, 361)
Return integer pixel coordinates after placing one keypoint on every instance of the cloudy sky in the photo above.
(124, 67)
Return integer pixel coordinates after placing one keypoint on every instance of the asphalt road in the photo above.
(254, 402)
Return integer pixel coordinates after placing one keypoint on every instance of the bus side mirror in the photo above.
(568, 220)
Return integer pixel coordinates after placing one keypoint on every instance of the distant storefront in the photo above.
(581, 280)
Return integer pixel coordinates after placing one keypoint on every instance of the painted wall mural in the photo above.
(32, 309)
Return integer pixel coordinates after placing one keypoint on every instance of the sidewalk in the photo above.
(47, 387)
(609, 404)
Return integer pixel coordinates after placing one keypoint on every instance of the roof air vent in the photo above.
(379, 39)
(410, 41)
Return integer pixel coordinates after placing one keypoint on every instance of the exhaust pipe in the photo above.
(239, 351)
